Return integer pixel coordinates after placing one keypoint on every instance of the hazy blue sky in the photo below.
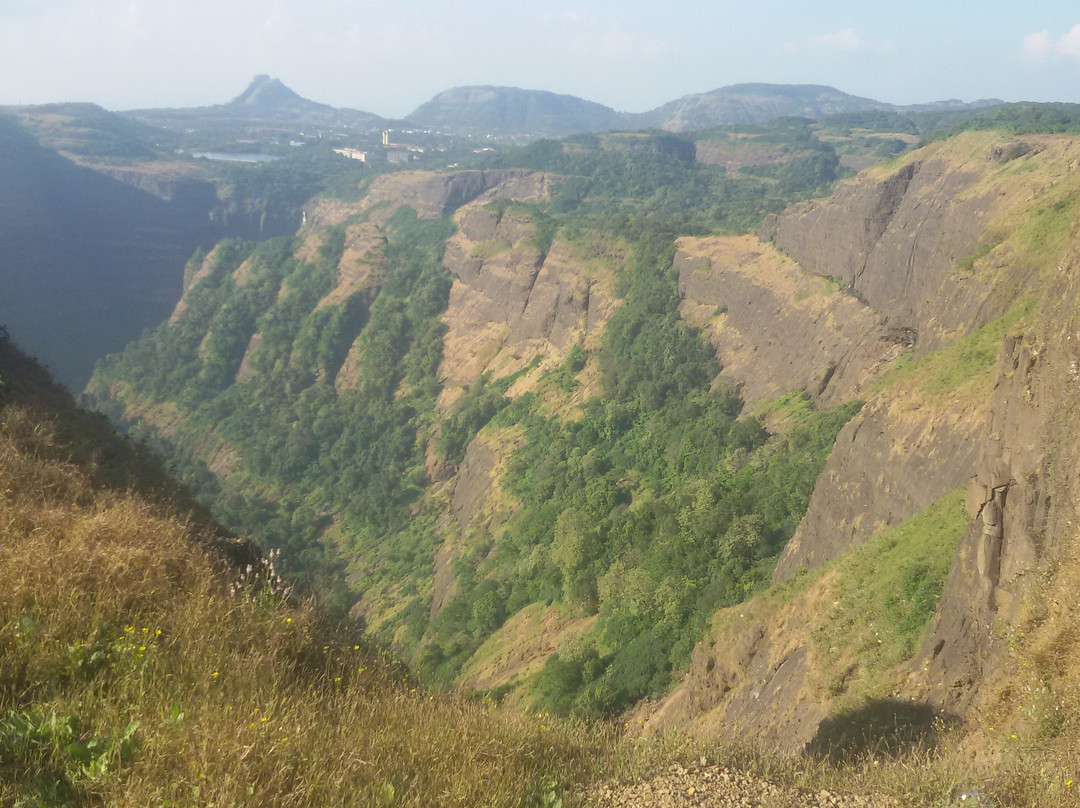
(389, 57)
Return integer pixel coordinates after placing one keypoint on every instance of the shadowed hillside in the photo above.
(88, 262)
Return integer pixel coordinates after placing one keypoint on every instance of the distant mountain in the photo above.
(266, 100)
(754, 103)
(953, 104)
(757, 103)
(511, 110)
(268, 96)
(86, 130)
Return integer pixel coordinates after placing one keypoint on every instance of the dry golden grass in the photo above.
(138, 668)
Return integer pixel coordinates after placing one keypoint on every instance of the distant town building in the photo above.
(399, 156)
(353, 154)
(386, 137)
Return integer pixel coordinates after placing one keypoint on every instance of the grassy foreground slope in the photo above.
(140, 667)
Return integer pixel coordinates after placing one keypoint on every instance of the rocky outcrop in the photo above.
(889, 463)
(895, 240)
(753, 676)
(510, 302)
(1023, 500)
(362, 265)
(432, 194)
(777, 328)
(935, 248)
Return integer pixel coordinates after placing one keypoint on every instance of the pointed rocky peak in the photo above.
(268, 94)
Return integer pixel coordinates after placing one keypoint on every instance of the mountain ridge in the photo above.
(485, 109)
(560, 394)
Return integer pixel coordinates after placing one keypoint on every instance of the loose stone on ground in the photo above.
(717, 787)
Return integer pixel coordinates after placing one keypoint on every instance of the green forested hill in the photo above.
(313, 410)
(482, 412)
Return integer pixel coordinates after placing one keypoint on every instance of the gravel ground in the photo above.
(716, 787)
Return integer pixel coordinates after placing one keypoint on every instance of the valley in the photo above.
(689, 435)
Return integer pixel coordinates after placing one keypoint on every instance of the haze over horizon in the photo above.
(632, 56)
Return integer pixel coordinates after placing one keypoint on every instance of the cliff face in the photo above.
(934, 252)
(895, 237)
(435, 194)
(913, 254)
(777, 327)
(89, 262)
(1022, 500)
(888, 464)
(513, 299)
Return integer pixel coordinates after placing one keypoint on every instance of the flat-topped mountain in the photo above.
(755, 103)
(510, 109)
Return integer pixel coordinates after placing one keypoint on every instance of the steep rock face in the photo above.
(476, 500)
(361, 266)
(777, 328)
(89, 262)
(510, 302)
(950, 418)
(895, 239)
(435, 194)
(754, 671)
(1023, 500)
(889, 463)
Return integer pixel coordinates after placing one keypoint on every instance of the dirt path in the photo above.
(717, 787)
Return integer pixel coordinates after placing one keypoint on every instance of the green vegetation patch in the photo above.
(963, 365)
(660, 504)
(967, 263)
(306, 448)
(885, 594)
(138, 667)
(1045, 237)
(1021, 119)
(622, 180)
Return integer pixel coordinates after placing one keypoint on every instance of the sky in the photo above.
(390, 57)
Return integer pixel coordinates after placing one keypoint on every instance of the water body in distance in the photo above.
(238, 158)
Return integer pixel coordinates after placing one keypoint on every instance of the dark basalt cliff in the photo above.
(894, 242)
(932, 253)
(89, 262)
(1023, 500)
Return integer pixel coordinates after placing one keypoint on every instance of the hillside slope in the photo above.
(373, 397)
(89, 262)
(963, 250)
(605, 439)
(147, 657)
